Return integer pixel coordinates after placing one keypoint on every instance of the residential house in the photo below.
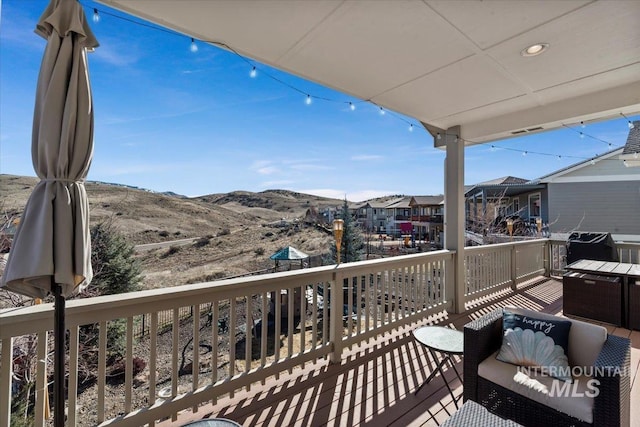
(600, 194)
(427, 217)
(492, 200)
(399, 214)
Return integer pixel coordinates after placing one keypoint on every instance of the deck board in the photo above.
(375, 383)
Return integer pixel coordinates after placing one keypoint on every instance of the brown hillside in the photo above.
(230, 234)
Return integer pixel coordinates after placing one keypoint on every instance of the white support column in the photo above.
(454, 213)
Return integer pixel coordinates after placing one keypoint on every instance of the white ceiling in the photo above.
(443, 62)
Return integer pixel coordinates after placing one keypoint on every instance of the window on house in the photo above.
(516, 205)
(535, 205)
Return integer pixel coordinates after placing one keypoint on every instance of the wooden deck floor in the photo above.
(375, 383)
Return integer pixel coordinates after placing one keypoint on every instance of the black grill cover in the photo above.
(587, 245)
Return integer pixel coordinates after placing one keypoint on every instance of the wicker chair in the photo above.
(611, 407)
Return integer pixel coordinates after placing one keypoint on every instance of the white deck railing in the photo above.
(627, 252)
(492, 268)
(238, 342)
(248, 329)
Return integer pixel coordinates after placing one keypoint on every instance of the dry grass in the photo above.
(236, 232)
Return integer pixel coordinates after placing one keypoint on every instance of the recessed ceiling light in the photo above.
(534, 49)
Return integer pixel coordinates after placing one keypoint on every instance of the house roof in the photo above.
(415, 57)
(579, 165)
(505, 180)
(426, 200)
(505, 186)
(633, 140)
(288, 253)
(400, 204)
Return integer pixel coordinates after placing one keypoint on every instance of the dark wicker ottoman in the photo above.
(593, 297)
(476, 415)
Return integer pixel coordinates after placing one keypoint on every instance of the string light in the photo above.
(524, 153)
(629, 123)
(308, 101)
(593, 161)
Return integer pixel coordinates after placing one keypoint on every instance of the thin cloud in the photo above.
(366, 157)
(268, 170)
(352, 196)
(309, 167)
(118, 120)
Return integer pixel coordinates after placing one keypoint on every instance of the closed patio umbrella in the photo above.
(51, 251)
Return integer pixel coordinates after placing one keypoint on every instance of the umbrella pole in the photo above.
(59, 365)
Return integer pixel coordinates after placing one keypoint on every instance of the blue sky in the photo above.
(168, 119)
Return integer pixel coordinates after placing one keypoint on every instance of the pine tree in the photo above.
(116, 271)
(352, 241)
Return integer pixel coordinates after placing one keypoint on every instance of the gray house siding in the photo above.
(612, 207)
(523, 200)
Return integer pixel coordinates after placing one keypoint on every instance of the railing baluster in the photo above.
(5, 381)
(42, 388)
(153, 353)
(72, 384)
(128, 375)
(303, 321)
(358, 284)
(263, 332)
(102, 368)
(248, 344)
(314, 316)
(232, 340)
(290, 314)
(175, 342)
(325, 313)
(214, 345)
(278, 325)
(195, 369)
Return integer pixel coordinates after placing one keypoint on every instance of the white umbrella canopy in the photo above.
(52, 244)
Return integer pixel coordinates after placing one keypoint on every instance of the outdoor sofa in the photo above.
(500, 388)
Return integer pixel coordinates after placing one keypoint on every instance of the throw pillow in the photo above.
(536, 343)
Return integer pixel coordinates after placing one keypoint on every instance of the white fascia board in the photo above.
(600, 178)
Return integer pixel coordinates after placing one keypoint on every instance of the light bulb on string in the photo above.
(581, 135)
(382, 112)
(253, 73)
(524, 154)
(629, 123)
(582, 125)
(351, 106)
(493, 148)
(411, 127)
(308, 100)
(438, 136)
(593, 161)
(194, 47)
(96, 16)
